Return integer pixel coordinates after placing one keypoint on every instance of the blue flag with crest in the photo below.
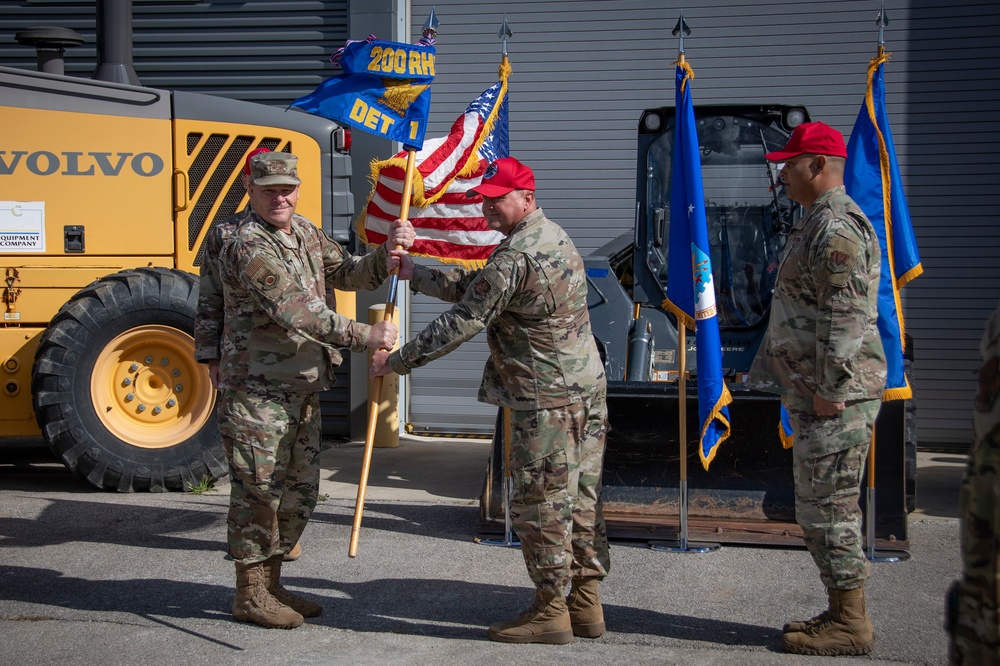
(873, 180)
(690, 285)
(385, 90)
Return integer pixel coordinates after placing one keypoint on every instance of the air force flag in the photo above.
(690, 286)
(872, 179)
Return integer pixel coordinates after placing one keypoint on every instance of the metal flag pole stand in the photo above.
(506, 489)
(682, 545)
(873, 555)
(508, 481)
(375, 394)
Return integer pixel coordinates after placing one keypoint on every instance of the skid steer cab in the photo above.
(746, 496)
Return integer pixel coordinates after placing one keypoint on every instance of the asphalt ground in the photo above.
(90, 577)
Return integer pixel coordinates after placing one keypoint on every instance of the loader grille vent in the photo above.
(220, 185)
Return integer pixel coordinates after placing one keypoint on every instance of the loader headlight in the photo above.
(652, 122)
(794, 118)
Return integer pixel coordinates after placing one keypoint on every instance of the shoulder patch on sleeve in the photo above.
(482, 287)
(258, 272)
(483, 294)
(839, 257)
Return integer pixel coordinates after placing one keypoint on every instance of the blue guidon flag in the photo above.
(690, 286)
(385, 90)
(872, 179)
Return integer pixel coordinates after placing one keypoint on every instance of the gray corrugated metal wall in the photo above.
(583, 71)
(260, 51)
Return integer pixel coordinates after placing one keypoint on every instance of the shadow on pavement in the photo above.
(75, 522)
(441, 608)
(164, 528)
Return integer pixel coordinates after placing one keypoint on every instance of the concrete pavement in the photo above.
(93, 577)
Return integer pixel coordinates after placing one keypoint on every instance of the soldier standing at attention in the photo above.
(208, 319)
(975, 613)
(279, 348)
(823, 355)
(531, 297)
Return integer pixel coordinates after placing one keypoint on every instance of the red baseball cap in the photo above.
(255, 151)
(811, 138)
(502, 176)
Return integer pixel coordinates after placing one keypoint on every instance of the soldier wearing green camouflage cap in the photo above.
(281, 342)
(974, 613)
(822, 353)
(531, 299)
(208, 319)
(209, 315)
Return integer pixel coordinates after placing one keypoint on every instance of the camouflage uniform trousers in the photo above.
(976, 629)
(557, 456)
(829, 458)
(272, 443)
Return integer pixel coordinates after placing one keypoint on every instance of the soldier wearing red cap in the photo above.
(823, 355)
(531, 298)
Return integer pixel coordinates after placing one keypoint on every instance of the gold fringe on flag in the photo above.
(725, 399)
(419, 198)
(902, 392)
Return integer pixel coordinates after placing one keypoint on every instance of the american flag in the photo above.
(449, 226)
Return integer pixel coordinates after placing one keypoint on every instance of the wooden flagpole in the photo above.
(374, 397)
(882, 20)
(683, 545)
(375, 394)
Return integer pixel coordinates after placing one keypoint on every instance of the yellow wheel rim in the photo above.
(148, 390)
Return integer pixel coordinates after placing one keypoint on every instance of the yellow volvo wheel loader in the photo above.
(107, 192)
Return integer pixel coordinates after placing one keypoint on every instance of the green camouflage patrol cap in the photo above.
(274, 169)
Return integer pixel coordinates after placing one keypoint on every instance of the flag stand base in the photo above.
(684, 547)
(509, 542)
(887, 556)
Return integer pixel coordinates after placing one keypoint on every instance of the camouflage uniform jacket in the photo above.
(208, 319)
(822, 337)
(280, 334)
(531, 297)
(986, 418)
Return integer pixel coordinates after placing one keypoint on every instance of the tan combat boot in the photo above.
(546, 621)
(253, 603)
(294, 554)
(802, 625)
(585, 612)
(272, 579)
(845, 631)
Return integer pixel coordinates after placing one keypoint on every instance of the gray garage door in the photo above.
(584, 70)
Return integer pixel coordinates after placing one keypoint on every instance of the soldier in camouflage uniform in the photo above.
(823, 355)
(208, 319)
(531, 297)
(279, 348)
(975, 605)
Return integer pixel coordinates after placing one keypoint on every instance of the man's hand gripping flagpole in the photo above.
(375, 394)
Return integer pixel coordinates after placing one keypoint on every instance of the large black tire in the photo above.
(116, 390)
